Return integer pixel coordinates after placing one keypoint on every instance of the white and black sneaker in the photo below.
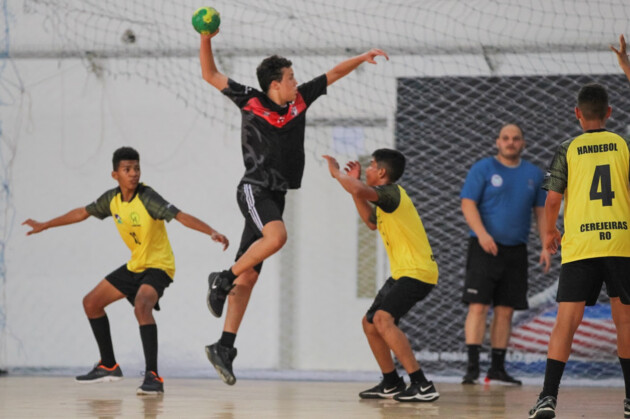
(626, 408)
(218, 289)
(417, 392)
(383, 390)
(545, 408)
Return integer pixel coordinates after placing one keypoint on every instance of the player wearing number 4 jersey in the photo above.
(592, 173)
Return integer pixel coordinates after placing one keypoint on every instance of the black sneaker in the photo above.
(221, 358)
(545, 408)
(383, 391)
(417, 392)
(152, 384)
(472, 375)
(626, 408)
(501, 377)
(101, 374)
(218, 289)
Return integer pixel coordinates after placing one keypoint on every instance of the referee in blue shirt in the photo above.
(498, 197)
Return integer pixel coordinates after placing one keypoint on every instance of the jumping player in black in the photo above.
(272, 141)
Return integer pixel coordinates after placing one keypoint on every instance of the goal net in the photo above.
(458, 71)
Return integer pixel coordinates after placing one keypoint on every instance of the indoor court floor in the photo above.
(61, 397)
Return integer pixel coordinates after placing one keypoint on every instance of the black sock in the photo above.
(391, 378)
(227, 339)
(229, 275)
(148, 334)
(100, 328)
(625, 367)
(418, 377)
(553, 375)
(498, 359)
(473, 356)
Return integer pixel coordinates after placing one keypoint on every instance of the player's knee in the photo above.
(278, 240)
(91, 305)
(383, 320)
(143, 305)
(368, 328)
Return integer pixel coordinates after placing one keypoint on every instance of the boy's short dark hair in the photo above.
(393, 161)
(124, 153)
(270, 69)
(593, 101)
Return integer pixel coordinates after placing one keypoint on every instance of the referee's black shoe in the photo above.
(221, 358)
(472, 375)
(218, 289)
(496, 376)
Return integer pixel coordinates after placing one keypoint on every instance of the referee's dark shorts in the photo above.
(499, 280)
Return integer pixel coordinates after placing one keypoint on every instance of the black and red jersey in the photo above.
(272, 136)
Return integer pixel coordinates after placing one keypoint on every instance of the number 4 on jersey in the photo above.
(605, 193)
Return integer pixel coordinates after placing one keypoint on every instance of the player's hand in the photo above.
(353, 169)
(373, 53)
(333, 165)
(210, 35)
(545, 260)
(488, 245)
(35, 225)
(552, 241)
(220, 238)
(622, 55)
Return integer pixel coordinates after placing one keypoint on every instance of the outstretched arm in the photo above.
(361, 193)
(196, 224)
(622, 56)
(71, 217)
(209, 69)
(346, 67)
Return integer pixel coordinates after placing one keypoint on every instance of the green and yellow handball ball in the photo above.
(206, 20)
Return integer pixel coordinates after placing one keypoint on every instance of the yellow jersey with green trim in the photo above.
(403, 234)
(140, 223)
(592, 171)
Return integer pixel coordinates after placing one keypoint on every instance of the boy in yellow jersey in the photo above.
(138, 213)
(414, 272)
(592, 173)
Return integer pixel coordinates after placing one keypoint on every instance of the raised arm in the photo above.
(361, 193)
(209, 69)
(75, 216)
(473, 218)
(346, 67)
(195, 223)
(622, 56)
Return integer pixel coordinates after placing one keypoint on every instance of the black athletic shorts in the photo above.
(397, 296)
(129, 282)
(499, 280)
(582, 280)
(259, 206)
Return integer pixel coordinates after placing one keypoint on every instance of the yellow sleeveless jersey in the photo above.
(140, 223)
(592, 171)
(404, 236)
